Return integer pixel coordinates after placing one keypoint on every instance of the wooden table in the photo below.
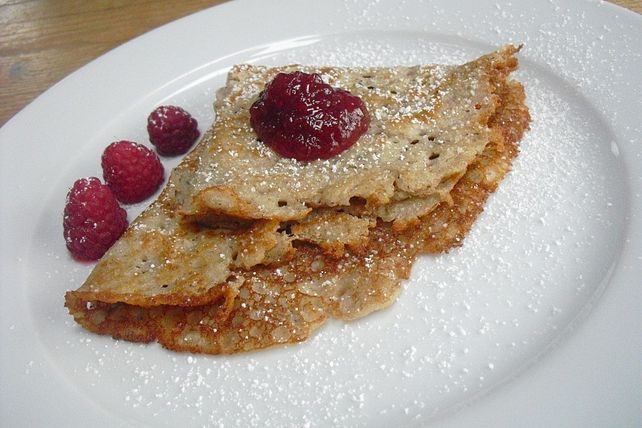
(43, 41)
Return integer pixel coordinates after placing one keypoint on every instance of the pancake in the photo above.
(274, 305)
(428, 123)
(171, 257)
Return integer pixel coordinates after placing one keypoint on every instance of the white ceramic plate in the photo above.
(535, 321)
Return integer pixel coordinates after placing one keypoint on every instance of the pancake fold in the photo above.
(245, 250)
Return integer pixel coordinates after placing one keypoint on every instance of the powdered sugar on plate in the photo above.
(464, 323)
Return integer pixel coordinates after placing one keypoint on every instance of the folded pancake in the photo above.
(411, 158)
(273, 305)
(427, 124)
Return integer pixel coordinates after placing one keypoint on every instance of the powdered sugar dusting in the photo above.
(362, 52)
(465, 322)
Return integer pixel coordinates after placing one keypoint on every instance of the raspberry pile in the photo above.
(132, 171)
(93, 220)
(301, 117)
(172, 130)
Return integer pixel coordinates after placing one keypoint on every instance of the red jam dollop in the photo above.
(301, 117)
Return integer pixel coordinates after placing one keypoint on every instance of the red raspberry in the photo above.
(132, 171)
(93, 220)
(172, 130)
(301, 117)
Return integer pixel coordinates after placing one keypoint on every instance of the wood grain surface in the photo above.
(43, 41)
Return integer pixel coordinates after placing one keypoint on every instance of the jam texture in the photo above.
(301, 117)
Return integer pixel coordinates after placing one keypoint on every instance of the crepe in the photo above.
(270, 304)
(427, 123)
(169, 256)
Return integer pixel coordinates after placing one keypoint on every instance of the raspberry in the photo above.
(301, 117)
(92, 220)
(172, 130)
(132, 171)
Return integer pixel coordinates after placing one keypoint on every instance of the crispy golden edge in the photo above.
(446, 227)
(211, 295)
(169, 325)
